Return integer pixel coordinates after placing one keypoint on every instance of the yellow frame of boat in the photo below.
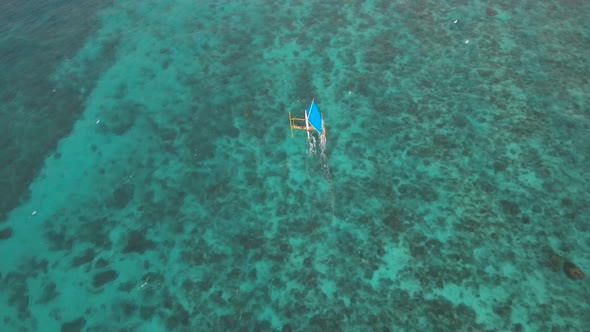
(305, 127)
(293, 125)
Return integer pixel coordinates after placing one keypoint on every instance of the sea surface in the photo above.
(149, 180)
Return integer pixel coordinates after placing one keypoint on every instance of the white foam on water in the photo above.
(313, 142)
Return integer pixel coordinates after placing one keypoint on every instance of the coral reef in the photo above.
(150, 181)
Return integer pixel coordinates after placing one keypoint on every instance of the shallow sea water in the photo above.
(150, 181)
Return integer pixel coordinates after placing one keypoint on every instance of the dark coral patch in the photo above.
(138, 243)
(101, 263)
(394, 220)
(16, 287)
(122, 119)
(233, 132)
(552, 260)
(328, 321)
(147, 312)
(205, 284)
(49, 293)
(128, 308)
(491, 12)
(102, 278)
(6, 233)
(73, 326)
(38, 265)
(499, 167)
(86, 257)
(179, 318)
(123, 195)
(509, 207)
(62, 233)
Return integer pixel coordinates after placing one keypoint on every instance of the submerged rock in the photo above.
(572, 271)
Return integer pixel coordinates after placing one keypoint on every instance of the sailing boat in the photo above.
(313, 124)
(313, 121)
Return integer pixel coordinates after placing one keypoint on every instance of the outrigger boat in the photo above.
(313, 121)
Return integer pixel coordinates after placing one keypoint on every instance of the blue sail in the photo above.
(314, 117)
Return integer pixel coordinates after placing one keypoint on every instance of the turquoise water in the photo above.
(150, 181)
